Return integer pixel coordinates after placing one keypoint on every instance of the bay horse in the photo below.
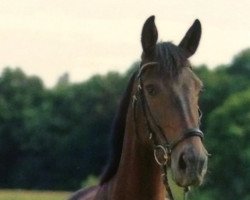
(157, 125)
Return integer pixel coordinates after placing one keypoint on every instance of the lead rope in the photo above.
(167, 186)
(165, 182)
(186, 190)
(164, 168)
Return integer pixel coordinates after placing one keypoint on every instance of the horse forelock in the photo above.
(171, 59)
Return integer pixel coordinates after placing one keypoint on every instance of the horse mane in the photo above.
(171, 59)
(117, 134)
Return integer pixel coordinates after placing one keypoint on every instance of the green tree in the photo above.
(19, 95)
(241, 64)
(218, 86)
(228, 130)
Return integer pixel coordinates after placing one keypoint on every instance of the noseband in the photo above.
(155, 131)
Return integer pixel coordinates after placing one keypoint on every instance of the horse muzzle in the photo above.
(189, 166)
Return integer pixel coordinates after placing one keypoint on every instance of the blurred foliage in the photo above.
(230, 171)
(55, 138)
(91, 180)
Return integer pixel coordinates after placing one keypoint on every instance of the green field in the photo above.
(32, 195)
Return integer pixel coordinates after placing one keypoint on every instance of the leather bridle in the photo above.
(155, 131)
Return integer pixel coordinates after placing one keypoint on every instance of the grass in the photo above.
(32, 195)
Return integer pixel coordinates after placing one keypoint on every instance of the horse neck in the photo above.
(138, 176)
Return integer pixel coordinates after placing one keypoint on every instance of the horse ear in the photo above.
(149, 36)
(191, 40)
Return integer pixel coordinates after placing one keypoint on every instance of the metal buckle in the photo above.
(134, 99)
(150, 135)
(139, 87)
(157, 149)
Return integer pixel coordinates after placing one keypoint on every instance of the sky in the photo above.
(49, 38)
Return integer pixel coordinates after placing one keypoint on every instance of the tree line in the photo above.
(55, 138)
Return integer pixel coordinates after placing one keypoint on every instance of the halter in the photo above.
(155, 131)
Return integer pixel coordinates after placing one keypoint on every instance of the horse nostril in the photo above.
(182, 163)
(189, 162)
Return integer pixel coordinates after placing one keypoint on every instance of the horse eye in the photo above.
(151, 89)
